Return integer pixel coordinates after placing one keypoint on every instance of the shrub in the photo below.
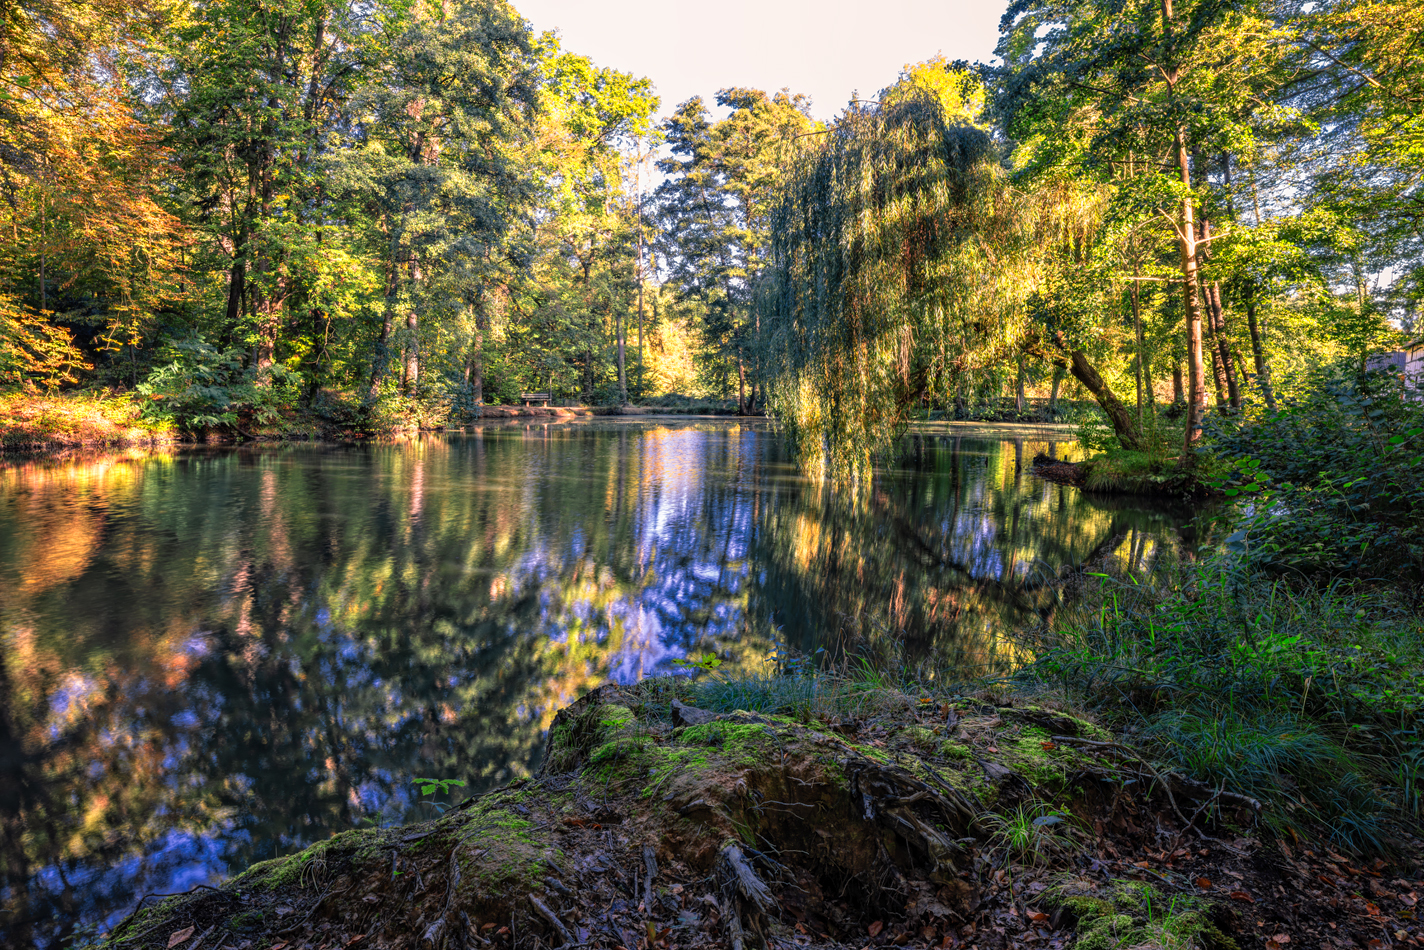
(196, 386)
(1332, 483)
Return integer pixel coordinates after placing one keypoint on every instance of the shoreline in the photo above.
(867, 817)
(15, 442)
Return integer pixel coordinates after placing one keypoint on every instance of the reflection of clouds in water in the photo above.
(643, 650)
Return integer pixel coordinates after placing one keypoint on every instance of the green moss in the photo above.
(498, 850)
(869, 751)
(245, 920)
(1109, 932)
(744, 743)
(1131, 914)
(920, 737)
(614, 719)
(1040, 766)
(952, 749)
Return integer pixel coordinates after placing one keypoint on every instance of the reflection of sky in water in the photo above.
(212, 657)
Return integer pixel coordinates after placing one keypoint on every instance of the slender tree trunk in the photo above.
(44, 256)
(268, 320)
(1224, 366)
(1177, 395)
(1258, 352)
(642, 390)
(477, 356)
(1187, 245)
(1058, 372)
(1137, 331)
(1223, 345)
(619, 329)
(1148, 384)
(741, 384)
(1218, 377)
(1019, 388)
(237, 280)
(382, 358)
(410, 372)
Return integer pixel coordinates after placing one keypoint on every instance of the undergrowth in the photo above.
(1306, 698)
(29, 420)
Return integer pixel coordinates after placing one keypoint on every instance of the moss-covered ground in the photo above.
(895, 820)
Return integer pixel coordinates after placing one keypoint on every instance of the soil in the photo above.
(913, 823)
(1064, 473)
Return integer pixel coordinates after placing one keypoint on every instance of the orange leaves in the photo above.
(178, 936)
(86, 170)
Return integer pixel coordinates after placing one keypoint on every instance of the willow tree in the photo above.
(898, 265)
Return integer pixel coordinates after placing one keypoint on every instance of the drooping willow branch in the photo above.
(899, 263)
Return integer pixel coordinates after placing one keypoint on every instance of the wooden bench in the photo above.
(534, 397)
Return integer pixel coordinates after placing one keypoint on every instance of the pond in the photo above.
(212, 656)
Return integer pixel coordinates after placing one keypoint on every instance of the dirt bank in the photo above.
(907, 823)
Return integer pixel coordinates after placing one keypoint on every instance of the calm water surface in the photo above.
(211, 657)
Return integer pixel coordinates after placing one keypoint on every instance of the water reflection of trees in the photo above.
(260, 648)
(955, 548)
(213, 657)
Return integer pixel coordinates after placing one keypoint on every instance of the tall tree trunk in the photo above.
(642, 390)
(741, 385)
(1137, 331)
(1148, 385)
(1177, 382)
(382, 358)
(410, 372)
(476, 366)
(1258, 352)
(1223, 345)
(236, 283)
(44, 256)
(1058, 372)
(1019, 388)
(267, 321)
(1227, 384)
(620, 329)
(1187, 246)
(1218, 377)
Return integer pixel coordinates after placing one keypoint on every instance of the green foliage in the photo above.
(429, 786)
(194, 386)
(1133, 914)
(1329, 485)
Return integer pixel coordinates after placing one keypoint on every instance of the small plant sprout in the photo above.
(429, 786)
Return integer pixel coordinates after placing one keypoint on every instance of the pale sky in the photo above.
(826, 49)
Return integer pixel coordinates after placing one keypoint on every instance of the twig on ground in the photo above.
(553, 920)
